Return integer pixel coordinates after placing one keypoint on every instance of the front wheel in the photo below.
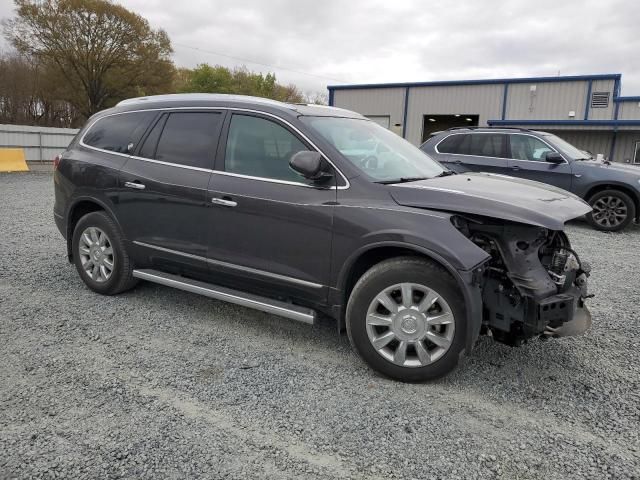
(613, 210)
(406, 319)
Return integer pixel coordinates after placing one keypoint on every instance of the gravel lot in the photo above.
(158, 383)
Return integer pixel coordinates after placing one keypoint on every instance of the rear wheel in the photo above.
(99, 255)
(406, 319)
(613, 210)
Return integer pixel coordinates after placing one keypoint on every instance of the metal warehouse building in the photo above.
(586, 110)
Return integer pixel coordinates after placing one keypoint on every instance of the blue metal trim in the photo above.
(586, 107)
(616, 94)
(586, 123)
(331, 93)
(569, 78)
(504, 100)
(404, 113)
(627, 99)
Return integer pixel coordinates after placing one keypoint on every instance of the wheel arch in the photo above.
(365, 257)
(615, 186)
(78, 209)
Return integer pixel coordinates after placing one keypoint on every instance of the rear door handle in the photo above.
(224, 202)
(136, 185)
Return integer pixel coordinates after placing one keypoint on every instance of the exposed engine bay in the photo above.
(533, 284)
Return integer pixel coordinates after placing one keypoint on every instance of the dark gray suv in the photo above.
(612, 190)
(298, 210)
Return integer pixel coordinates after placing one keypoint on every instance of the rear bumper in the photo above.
(61, 224)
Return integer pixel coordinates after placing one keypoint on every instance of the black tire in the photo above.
(387, 274)
(601, 222)
(121, 277)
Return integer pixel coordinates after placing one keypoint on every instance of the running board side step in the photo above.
(275, 307)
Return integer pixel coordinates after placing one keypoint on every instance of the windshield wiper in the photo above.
(402, 180)
(444, 173)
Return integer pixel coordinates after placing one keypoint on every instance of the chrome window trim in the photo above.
(497, 158)
(220, 263)
(636, 153)
(219, 172)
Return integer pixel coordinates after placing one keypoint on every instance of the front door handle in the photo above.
(136, 185)
(224, 202)
(515, 169)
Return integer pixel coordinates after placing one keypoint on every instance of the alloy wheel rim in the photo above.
(609, 211)
(96, 254)
(410, 325)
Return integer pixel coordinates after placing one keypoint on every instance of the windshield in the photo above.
(374, 150)
(567, 148)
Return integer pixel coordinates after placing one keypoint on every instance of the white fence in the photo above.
(40, 144)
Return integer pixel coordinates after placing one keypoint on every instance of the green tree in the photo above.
(102, 51)
(207, 79)
(240, 81)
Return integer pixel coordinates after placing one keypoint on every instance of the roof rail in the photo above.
(490, 127)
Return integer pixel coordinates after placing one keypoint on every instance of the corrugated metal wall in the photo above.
(482, 100)
(629, 110)
(594, 142)
(39, 143)
(602, 113)
(373, 102)
(625, 146)
(549, 101)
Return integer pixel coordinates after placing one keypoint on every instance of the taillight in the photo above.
(56, 161)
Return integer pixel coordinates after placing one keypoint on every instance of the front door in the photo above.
(163, 209)
(528, 160)
(270, 230)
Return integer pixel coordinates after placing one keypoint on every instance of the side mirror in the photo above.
(310, 165)
(553, 157)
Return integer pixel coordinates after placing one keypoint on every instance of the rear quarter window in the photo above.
(118, 133)
(451, 144)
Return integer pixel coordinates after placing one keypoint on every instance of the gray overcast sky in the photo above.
(371, 41)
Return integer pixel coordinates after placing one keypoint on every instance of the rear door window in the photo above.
(118, 133)
(484, 145)
(184, 138)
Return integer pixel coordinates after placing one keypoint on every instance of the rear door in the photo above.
(270, 230)
(476, 152)
(528, 153)
(163, 211)
(110, 140)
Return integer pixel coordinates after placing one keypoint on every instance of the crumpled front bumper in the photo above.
(579, 324)
(565, 314)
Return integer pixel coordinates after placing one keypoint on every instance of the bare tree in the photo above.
(102, 51)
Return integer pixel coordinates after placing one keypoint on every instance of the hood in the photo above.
(612, 166)
(496, 196)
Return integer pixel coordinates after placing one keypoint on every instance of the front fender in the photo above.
(430, 234)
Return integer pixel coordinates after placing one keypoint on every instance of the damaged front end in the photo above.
(533, 284)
